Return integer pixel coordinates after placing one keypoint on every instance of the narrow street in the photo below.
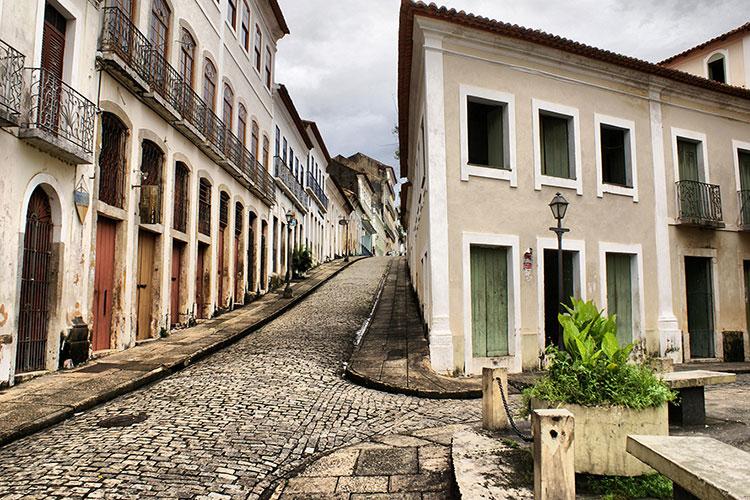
(236, 422)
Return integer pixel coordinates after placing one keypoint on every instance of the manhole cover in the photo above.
(122, 420)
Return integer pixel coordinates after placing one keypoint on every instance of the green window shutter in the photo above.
(744, 163)
(495, 137)
(620, 294)
(687, 157)
(555, 147)
(489, 301)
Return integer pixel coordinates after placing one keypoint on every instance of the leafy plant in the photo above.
(301, 260)
(620, 487)
(594, 369)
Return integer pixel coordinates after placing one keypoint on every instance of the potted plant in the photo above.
(610, 394)
(301, 261)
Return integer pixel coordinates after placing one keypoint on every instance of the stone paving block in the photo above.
(363, 484)
(387, 461)
(402, 441)
(420, 482)
(311, 485)
(434, 458)
(386, 496)
(339, 463)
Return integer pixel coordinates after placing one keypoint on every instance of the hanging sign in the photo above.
(82, 200)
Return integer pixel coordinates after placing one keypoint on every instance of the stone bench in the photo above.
(691, 407)
(700, 467)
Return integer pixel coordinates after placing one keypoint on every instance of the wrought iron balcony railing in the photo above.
(699, 203)
(120, 36)
(317, 191)
(287, 178)
(58, 109)
(259, 176)
(744, 199)
(11, 81)
(165, 80)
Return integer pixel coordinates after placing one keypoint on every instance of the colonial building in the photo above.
(495, 119)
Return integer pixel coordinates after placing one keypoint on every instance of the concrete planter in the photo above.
(601, 434)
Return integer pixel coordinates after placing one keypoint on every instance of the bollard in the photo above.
(493, 413)
(554, 464)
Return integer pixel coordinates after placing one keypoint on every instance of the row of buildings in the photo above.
(152, 169)
(654, 159)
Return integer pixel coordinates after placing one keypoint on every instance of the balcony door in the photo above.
(700, 306)
(126, 6)
(158, 31)
(53, 59)
(743, 162)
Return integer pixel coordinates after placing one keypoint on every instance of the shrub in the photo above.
(594, 370)
(301, 260)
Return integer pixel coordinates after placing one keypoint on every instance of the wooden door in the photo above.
(174, 303)
(33, 319)
(700, 306)
(620, 294)
(104, 278)
(239, 286)
(199, 281)
(145, 283)
(551, 304)
(53, 59)
(251, 257)
(220, 270)
(489, 301)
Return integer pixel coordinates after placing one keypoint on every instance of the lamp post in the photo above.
(559, 206)
(291, 222)
(345, 222)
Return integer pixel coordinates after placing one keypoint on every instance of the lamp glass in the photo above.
(559, 205)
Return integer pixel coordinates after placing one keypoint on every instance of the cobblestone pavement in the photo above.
(235, 423)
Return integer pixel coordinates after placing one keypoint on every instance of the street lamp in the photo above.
(559, 206)
(291, 222)
(345, 222)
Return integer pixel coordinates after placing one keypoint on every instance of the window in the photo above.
(620, 293)
(742, 173)
(242, 124)
(614, 151)
(258, 44)
(228, 106)
(159, 25)
(254, 140)
(284, 150)
(187, 56)
(266, 152)
(555, 142)
(152, 160)
(268, 67)
(245, 28)
(486, 133)
(232, 13)
(180, 197)
(277, 142)
(557, 147)
(209, 84)
(112, 161)
(717, 68)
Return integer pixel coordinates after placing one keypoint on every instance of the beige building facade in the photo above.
(494, 121)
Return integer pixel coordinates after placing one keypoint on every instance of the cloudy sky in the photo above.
(340, 61)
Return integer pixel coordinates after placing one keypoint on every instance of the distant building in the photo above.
(494, 119)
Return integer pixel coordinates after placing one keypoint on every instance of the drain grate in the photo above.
(122, 420)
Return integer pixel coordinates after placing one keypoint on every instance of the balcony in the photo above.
(699, 204)
(744, 203)
(262, 183)
(57, 119)
(125, 51)
(286, 180)
(11, 84)
(318, 195)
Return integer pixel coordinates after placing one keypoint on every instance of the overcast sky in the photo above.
(340, 61)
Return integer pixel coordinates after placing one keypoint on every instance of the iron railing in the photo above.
(120, 35)
(699, 203)
(744, 198)
(313, 185)
(57, 108)
(286, 176)
(165, 80)
(204, 209)
(11, 78)
(259, 176)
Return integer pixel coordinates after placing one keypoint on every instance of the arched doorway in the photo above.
(33, 320)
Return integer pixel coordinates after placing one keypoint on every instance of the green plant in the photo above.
(301, 260)
(594, 369)
(275, 281)
(621, 487)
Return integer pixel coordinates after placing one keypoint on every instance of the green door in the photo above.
(620, 294)
(700, 306)
(489, 301)
(687, 156)
(744, 164)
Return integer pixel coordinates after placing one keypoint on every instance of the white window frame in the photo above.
(574, 142)
(636, 269)
(512, 361)
(725, 54)
(543, 244)
(736, 147)
(631, 162)
(508, 101)
(691, 135)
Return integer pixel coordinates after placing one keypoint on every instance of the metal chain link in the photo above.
(526, 437)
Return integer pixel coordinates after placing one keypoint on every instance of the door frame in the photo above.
(710, 254)
(636, 270)
(542, 244)
(690, 135)
(512, 361)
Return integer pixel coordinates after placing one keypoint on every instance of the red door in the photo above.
(220, 270)
(199, 279)
(175, 289)
(104, 278)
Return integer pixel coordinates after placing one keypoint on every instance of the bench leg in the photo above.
(691, 408)
(680, 493)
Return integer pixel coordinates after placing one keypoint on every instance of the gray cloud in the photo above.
(340, 62)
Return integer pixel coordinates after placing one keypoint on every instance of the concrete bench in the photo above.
(699, 467)
(691, 407)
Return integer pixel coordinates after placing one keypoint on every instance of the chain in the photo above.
(526, 437)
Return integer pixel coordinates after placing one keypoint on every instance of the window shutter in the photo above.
(53, 50)
(620, 294)
(555, 153)
(744, 163)
(687, 156)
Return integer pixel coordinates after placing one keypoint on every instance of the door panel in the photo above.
(620, 294)
(199, 281)
(174, 308)
(551, 304)
(145, 284)
(239, 287)
(104, 277)
(220, 271)
(489, 301)
(700, 306)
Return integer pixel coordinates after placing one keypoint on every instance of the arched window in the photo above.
(209, 84)
(254, 140)
(112, 161)
(242, 124)
(187, 56)
(717, 70)
(180, 197)
(159, 26)
(152, 161)
(266, 151)
(228, 106)
(204, 207)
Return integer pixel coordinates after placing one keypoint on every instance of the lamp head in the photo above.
(559, 205)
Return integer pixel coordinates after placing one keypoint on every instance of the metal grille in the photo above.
(34, 314)
(151, 165)
(119, 35)
(224, 210)
(288, 179)
(11, 77)
(112, 161)
(180, 197)
(313, 185)
(238, 218)
(699, 203)
(204, 208)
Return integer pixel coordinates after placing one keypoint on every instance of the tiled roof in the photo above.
(289, 104)
(744, 28)
(409, 9)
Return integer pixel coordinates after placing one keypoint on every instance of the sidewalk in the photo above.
(49, 399)
(394, 355)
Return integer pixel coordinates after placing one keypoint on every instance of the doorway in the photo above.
(489, 301)
(551, 278)
(145, 283)
(104, 279)
(700, 306)
(201, 281)
(178, 249)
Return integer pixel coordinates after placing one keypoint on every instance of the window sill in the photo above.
(560, 182)
(489, 173)
(630, 192)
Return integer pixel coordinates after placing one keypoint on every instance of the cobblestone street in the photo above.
(238, 421)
